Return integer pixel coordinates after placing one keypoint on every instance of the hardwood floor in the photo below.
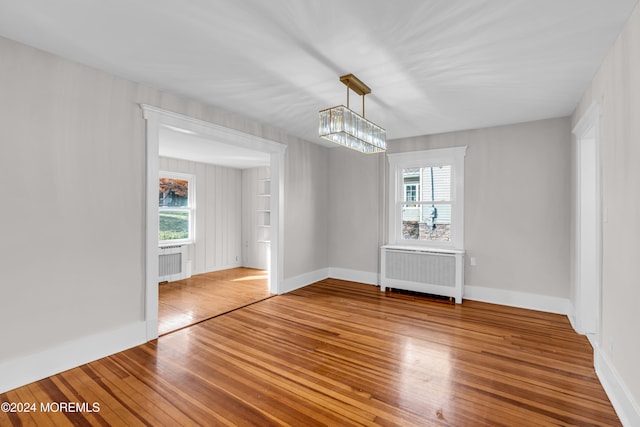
(186, 302)
(341, 354)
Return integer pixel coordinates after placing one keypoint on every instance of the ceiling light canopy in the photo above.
(345, 127)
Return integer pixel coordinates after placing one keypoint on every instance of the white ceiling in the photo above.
(433, 65)
(182, 144)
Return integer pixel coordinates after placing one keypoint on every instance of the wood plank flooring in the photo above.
(339, 353)
(203, 296)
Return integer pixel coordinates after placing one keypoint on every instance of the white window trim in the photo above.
(191, 208)
(399, 161)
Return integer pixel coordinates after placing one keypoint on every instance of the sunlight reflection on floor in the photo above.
(417, 361)
(242, 279)
(186, 302)
(178, 320)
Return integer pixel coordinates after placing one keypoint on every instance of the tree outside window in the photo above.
(176, 207)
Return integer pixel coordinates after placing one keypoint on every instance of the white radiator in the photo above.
(172, 263)
(431, 271)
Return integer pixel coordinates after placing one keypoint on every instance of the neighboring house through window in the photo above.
(176, 200)
(411, 188)
(426, 191)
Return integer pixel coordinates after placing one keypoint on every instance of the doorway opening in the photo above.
(588, 229)
(230, 141)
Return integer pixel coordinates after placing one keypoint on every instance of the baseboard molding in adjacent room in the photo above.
(626, 407)
(518, 299)
(36, 366)
(220, 268)
(354, 275)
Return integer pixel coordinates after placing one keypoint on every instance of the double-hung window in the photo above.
(176, 206)
(426, 195)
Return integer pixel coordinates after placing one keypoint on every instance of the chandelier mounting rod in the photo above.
(356, 85)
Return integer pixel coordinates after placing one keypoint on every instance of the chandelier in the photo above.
(345, 127)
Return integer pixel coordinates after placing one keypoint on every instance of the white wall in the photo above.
(355, 234)
(517, 206)
(72, 147)
(306, 210)
(517, 210)
(616, 86)
(218, 226)
(72, 144)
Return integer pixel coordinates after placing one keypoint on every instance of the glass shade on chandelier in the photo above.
(345, 127)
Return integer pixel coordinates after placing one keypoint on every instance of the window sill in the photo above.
(168, 244)
(424, 248)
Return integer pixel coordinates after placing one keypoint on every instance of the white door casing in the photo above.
(588, 226)
(156, 117)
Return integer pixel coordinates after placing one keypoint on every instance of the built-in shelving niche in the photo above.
(256, 217)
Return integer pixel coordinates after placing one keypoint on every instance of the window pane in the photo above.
(429, 222)
(431, 184)
(411, 213)
(174, 225)
(173, 192)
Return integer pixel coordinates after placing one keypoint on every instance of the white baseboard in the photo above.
(354, 275)
(33, 367)
(518, 299)
(626, 407)
(572, 316)
(477, 293)
(305, 279)
(293, 283)
(188, 269)
(216, 268)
